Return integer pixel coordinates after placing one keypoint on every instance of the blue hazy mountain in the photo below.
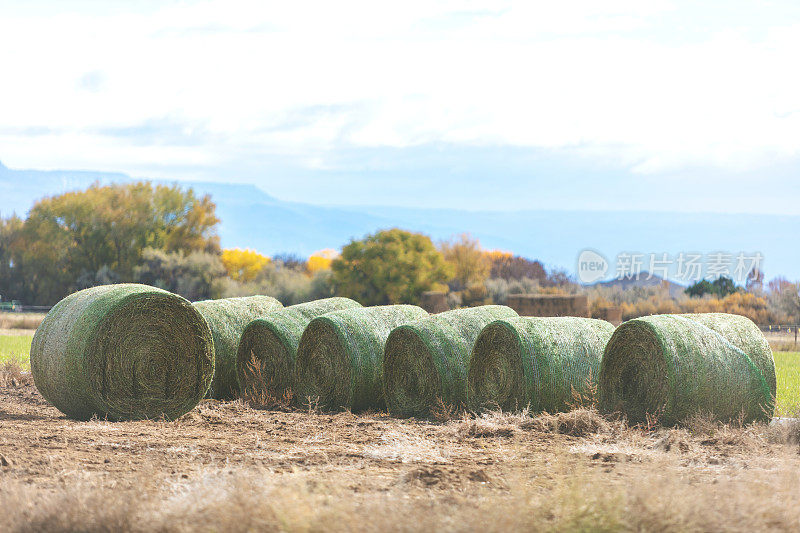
(252, 218)
(20, 188)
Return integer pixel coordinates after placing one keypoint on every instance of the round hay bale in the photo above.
(340, 356)
(227, 319)
(268, 349)
(425, 363)
(745, 335)
(123, 352)
(538, 362)
(667, 368)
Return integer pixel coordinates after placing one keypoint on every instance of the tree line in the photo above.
(166, 236)
(80, 239)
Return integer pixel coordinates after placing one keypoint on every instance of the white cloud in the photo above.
(607, 77)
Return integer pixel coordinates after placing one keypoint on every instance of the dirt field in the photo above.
(227, 467)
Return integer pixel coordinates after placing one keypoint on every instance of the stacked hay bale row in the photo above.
(340, 356)
(227, 319)
(265, 359)
(131, 351)
(425, 363)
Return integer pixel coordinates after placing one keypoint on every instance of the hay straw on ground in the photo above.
(227, 319)
(546, 363)
(667, 368)
(340, 356)
(268, 349)
(123, 351)
(425, 363)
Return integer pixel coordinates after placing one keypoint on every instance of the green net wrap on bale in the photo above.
(340, 357)
(227, 319)
(670, 367)
(546, 363)
(123, 352)
(745, 335)
(268, 349)
(425, 363)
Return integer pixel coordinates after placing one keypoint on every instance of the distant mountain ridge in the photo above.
(644, 280)
(252, 218)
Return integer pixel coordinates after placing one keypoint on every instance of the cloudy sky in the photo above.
(576, 104)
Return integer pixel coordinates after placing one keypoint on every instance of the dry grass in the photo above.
(784, 346)
(701, 429)
(785, 431)
(261, 399)
(28, 321)
(227, 467)
(408, 447)
(442, 411)
(257, 394)
(781, 341)
(489, 425)
(13, 375)
(577, 423)
(582, 499)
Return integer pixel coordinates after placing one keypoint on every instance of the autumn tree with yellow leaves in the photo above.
(471, 267)
(243, 265)
(470, 264)
(99, 235)
(388, 267)
(321, 260)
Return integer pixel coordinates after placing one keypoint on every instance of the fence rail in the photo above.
(8, 307)
(781, 334)
(778, 328)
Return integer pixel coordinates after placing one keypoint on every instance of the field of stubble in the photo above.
(228, 467)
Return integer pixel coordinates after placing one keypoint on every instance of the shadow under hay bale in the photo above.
(425, 363)
(123, 351)
(547, 363)
(667, 368)
(340, 356)
(265, 360)
(227, 319)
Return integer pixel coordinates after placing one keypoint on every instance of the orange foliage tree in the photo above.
(508, 266)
